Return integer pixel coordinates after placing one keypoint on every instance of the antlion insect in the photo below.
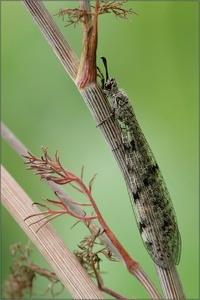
(152, 204)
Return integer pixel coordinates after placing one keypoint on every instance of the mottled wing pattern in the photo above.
(153, 207)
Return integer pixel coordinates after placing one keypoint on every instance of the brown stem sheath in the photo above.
(87, 69)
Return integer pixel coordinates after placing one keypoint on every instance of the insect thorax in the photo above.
(111, 87)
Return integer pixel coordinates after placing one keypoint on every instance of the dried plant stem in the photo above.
(132, 266)
(53, 36)
(52, 170)
(62, 261)
(170, 281)
(100, 109)
(14, 142)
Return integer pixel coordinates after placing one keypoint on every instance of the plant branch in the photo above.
(59, 257)
(65, 198)
(14, 142)
(99, 108)
(53, 35)
(52, 170)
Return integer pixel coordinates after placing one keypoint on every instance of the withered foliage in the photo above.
(23, 273)
(89, 254)
(75, 15)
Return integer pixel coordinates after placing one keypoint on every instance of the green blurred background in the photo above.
(155, 59)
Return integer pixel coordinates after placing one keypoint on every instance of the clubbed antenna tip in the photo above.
(106, 67)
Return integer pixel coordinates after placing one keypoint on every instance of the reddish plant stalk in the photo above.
(87, 69)
(47, 169)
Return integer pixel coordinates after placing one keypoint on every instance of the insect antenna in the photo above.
(106, 67)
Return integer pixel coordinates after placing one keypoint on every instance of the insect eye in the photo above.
(110, 84)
